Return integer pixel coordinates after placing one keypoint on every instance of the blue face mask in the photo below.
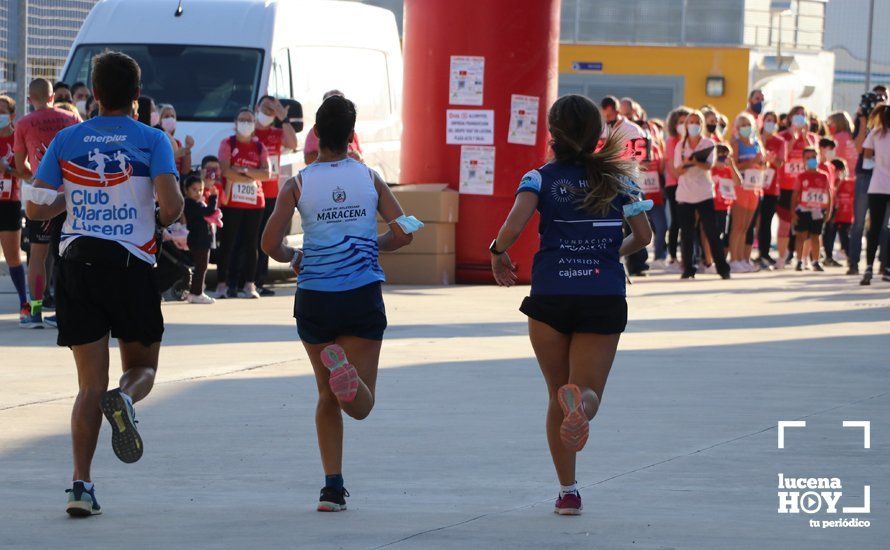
(693, 129)
(757, 107)
(812, 164)
(769, 127)
(745, 131)
(4, 121)
(799, 120)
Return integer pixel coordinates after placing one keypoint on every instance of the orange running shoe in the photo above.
(575, 426)
(344, 378)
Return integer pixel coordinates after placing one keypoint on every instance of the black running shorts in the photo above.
(323, 316)
(101, 288)
(569, 314)
(10, 215)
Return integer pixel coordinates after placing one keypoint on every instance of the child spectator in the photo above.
(199, 237)
(841, 220)
(811, 201)
(726, 178)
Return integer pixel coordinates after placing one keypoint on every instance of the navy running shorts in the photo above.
(570, 314)
(323, 316)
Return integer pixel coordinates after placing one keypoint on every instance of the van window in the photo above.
(280, 80)
(203, 83)
(361, 74)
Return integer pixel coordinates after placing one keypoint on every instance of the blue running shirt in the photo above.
(579, 251)
(107, 165)
(338, 207)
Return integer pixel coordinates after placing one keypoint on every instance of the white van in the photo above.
(212, 57)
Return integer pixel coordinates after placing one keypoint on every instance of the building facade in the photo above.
(50, 29)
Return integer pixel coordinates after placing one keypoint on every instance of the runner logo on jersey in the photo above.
(563, 191)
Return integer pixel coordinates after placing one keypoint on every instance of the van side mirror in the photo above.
(294, 113)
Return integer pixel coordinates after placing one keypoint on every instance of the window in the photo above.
(361, 74)
(280, 85)
(203, 83)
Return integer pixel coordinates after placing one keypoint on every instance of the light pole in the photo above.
(871, 24)
(21, 61)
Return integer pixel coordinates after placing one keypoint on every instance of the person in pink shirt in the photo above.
(33, 134)
(310, 148)
(676, 129)
(840, 125)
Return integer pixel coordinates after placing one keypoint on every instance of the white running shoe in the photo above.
(658, 264)
(249, 294)
(220, 293)
(710, 270)
(780, 264)
(673, 267)
(200, 299)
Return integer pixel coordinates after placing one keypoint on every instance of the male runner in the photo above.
(105, 281)
(32, 136)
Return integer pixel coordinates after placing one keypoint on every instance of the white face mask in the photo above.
(769, 127)
(168, 124)
(82, 106)
(264, 119)
(245, 128)
(828, 154)
(681, 129)
(155, 118)
(4, 121)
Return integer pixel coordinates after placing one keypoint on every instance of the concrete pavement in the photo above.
(682, 455)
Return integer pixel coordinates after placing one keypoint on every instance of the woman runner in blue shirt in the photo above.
(577, 309)
(339, 304)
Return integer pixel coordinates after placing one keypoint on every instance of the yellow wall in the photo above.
(693, 63)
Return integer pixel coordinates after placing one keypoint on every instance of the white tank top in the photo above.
(338, 206)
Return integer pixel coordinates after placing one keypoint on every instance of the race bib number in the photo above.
(638, 149)
(752, 179)
(6, 189)
(245, 193)
(727, 188)
(768, 176)
(814, 198)
(794, 167)
(649, 182)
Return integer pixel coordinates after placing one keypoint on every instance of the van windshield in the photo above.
(203, 83)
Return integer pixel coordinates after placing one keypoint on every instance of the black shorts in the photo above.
(568, 314)
(39, 231)
(785, 196)
(806, 224)
(323, 316)
(10, 215)
(97, 293)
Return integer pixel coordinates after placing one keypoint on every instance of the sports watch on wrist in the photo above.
(493, 248)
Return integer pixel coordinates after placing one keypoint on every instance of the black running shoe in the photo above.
(125, 438)
(265, 291)
(853, 270)
(831, 262)
(817, 267)
(866, 277)
(82, 503)
(799, 266)
(332, 500)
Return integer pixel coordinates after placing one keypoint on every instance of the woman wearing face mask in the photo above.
(775, 156)
(181, 153)
(693, 160)
(797, 138)
(244, 162)
(148, 111)
(748, 154)
(82, 98)
(712, 125)
(11, 207)
(876, 150)
(676, 130)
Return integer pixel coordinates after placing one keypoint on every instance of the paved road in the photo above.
(682, 455)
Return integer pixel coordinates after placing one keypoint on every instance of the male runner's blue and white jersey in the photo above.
(579, 250)
(107, 165)
(338, 206)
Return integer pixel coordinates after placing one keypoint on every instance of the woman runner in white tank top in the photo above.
(339, 304)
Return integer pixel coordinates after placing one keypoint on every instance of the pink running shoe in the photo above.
(575, 426)
(344, 378)
(569, 504)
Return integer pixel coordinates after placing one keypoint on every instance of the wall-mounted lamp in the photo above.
(714, 86)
